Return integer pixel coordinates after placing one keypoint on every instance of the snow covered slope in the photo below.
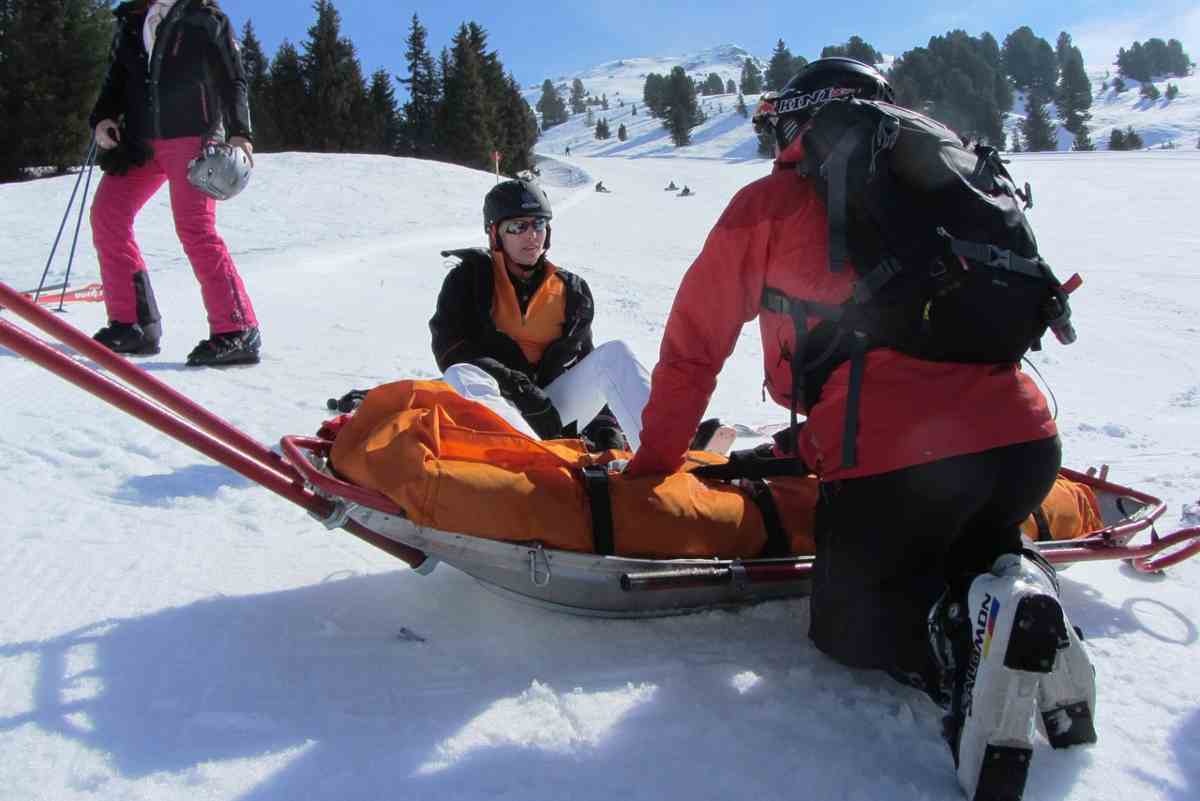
(172, 632)
(728, 135)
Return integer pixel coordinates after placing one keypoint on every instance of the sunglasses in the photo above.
(517, 227)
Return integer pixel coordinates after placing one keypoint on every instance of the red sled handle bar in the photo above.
(169, 411)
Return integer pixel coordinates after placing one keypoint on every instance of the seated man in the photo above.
(513, 331)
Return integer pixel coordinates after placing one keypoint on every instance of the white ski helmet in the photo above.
(220, 171)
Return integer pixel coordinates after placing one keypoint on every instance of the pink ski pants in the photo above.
(118, 200)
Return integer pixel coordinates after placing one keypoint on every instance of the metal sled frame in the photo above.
(579, 583)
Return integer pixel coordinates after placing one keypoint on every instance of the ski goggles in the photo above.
(518, 227)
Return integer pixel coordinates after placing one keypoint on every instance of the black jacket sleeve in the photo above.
(455, 337)
(235, 95)
(110, 105)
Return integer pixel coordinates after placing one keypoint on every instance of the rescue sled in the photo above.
(526, 570)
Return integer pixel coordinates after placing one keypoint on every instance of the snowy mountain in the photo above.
(173, 631)
(728, 135)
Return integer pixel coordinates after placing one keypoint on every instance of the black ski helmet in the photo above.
(515, 198)
(785, 112)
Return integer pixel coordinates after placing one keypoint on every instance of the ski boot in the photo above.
(222, 350)
(1067, 695)
(713, 437)
(130, 338)
(140, 338)
(998, 640)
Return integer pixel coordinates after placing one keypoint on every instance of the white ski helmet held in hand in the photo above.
(220, 171)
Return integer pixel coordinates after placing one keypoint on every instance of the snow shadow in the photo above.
(400, 686)
(194, 481)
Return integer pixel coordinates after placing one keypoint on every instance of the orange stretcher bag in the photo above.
(454, 465)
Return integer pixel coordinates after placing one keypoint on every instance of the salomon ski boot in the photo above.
(1002, 637)
(223, 350)
(1067, 695)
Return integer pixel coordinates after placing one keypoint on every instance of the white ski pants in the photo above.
(610, 375)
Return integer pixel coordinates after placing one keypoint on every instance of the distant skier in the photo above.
(600, 187)
(687, 192)
(671, 187)
(568, 150)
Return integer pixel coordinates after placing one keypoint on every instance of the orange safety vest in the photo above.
(542, 321)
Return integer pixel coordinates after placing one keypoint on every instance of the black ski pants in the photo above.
(887, 545)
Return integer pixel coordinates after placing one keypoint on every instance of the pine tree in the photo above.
(730, 87)
(334, 83)
(551, 105)
(752, 78)
(287, 98)
(681, 111)
(622, 134)
(713, 85)
(383, 135)
(1083, 140)
(517, 125)
(1074, 95)
(53, 56)
(1133, 141)
(855, 48)
(740, 108)
(1029, 60)
(258, 83)
(577, 95)
(958, 80)
(1015, 147)
(462, 121)
(1116, 140)
(781, 68)
(1038, 132)
(602, 131)
(654, 94)
(424, 94)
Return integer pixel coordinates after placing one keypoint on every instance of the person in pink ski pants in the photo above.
(175, 82)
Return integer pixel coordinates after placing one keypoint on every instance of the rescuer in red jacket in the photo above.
(950, 456)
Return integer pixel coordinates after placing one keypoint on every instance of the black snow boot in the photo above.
(222, 350)
(140, 338)
(130, 338)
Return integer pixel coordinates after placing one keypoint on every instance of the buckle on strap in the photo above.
(993, 256)
(780, 303)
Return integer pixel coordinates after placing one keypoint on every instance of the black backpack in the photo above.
(947, 265)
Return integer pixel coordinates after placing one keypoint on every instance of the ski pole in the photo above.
(91, 155)
(91, 160)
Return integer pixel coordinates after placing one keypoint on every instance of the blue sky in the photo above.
(550, 40)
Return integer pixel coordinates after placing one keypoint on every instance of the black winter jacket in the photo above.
(463, 331)
(193, 84)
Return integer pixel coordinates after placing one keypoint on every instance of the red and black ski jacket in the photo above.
(193, 84)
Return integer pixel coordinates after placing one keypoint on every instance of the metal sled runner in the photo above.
(572, 582)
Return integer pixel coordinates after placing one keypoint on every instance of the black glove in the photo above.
(604, 433)
(125, 156)
(348, 402)
(533, 404)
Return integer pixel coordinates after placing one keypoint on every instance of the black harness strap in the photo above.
(858, 360)
(834, 173)
(1043, 525)
(595, 482)
(778, 541)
